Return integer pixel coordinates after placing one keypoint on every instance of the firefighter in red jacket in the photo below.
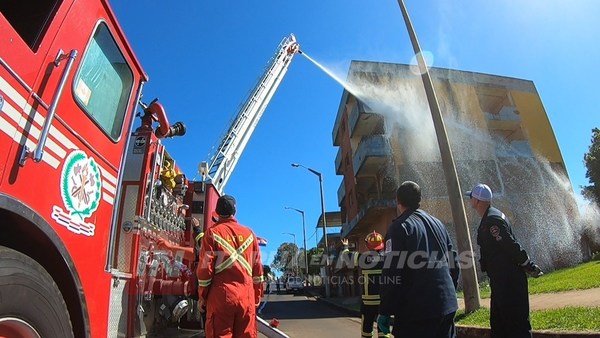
(230, 275)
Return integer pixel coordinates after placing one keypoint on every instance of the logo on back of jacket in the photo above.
(80, 190)
(233, 239)
(371, 259)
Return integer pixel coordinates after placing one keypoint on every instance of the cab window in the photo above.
(29, 18)
(104, 82)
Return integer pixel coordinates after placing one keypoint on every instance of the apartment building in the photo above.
(498, 131)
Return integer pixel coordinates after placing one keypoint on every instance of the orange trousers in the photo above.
(231, 313)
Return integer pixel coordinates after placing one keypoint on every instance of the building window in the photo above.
(104, 82)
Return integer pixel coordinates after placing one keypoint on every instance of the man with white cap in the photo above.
(506, 264)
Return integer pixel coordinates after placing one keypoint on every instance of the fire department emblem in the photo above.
(80, 190)
(495, 231)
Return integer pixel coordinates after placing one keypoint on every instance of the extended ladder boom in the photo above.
(232, 144)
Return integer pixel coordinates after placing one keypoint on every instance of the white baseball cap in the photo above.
(481, 192)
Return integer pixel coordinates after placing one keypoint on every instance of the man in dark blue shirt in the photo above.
(420, 273)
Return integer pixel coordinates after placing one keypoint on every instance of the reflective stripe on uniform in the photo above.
(204, 282)
(234, 255)
(370, 296)
(199, 236)
(367, 297)
(258, 280)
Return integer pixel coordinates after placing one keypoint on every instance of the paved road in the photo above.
(300, 316)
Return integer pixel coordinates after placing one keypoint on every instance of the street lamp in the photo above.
(304, 234)
(294, 258)
(463, 238)
(318, 174)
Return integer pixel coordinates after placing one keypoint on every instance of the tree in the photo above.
(315, 257)
(592, 163)
(284, 258)
(266, 271)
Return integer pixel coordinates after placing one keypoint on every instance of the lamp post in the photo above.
(294, 258)
(463, 238)
(304, 236)
(320, 176)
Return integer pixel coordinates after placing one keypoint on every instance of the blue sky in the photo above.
(203, 58)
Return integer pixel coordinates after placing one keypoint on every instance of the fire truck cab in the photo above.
(85, 193)
(69, 86)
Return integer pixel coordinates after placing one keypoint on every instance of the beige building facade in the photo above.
(499, 133)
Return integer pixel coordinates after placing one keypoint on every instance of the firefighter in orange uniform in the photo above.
(230, 275)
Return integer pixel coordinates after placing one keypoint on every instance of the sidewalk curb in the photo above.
(482, 332)
(475, 331)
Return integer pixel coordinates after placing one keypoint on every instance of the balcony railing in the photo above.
(363, 121)
(507, 113)
(371, 205)
(341, 193)
(372, 152)
(338, 161)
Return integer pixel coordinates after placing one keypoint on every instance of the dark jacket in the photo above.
(501, 254)
(420, 283)
(502, 257)
(370, 264)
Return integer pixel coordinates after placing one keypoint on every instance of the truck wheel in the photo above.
(31, 305)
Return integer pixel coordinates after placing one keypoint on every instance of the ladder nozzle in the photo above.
(293, 48)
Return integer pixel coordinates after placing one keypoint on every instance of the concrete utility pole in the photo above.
(463, 237)
(304, 236)
(295, 257)
(318, 174)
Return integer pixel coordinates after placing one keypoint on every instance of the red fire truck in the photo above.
(87, 188)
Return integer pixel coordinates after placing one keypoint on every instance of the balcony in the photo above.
(338, 162)
(368, 214)
(363, 121)
(506, 123)
(341, 193)
(506, 113)
(338, 118)
(372, 153)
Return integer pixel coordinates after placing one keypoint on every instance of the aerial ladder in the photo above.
(225, 156)
(218, 170)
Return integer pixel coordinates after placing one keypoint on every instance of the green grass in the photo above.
(584, 276)
(480, 318)
(565, 319)
(581, 277)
